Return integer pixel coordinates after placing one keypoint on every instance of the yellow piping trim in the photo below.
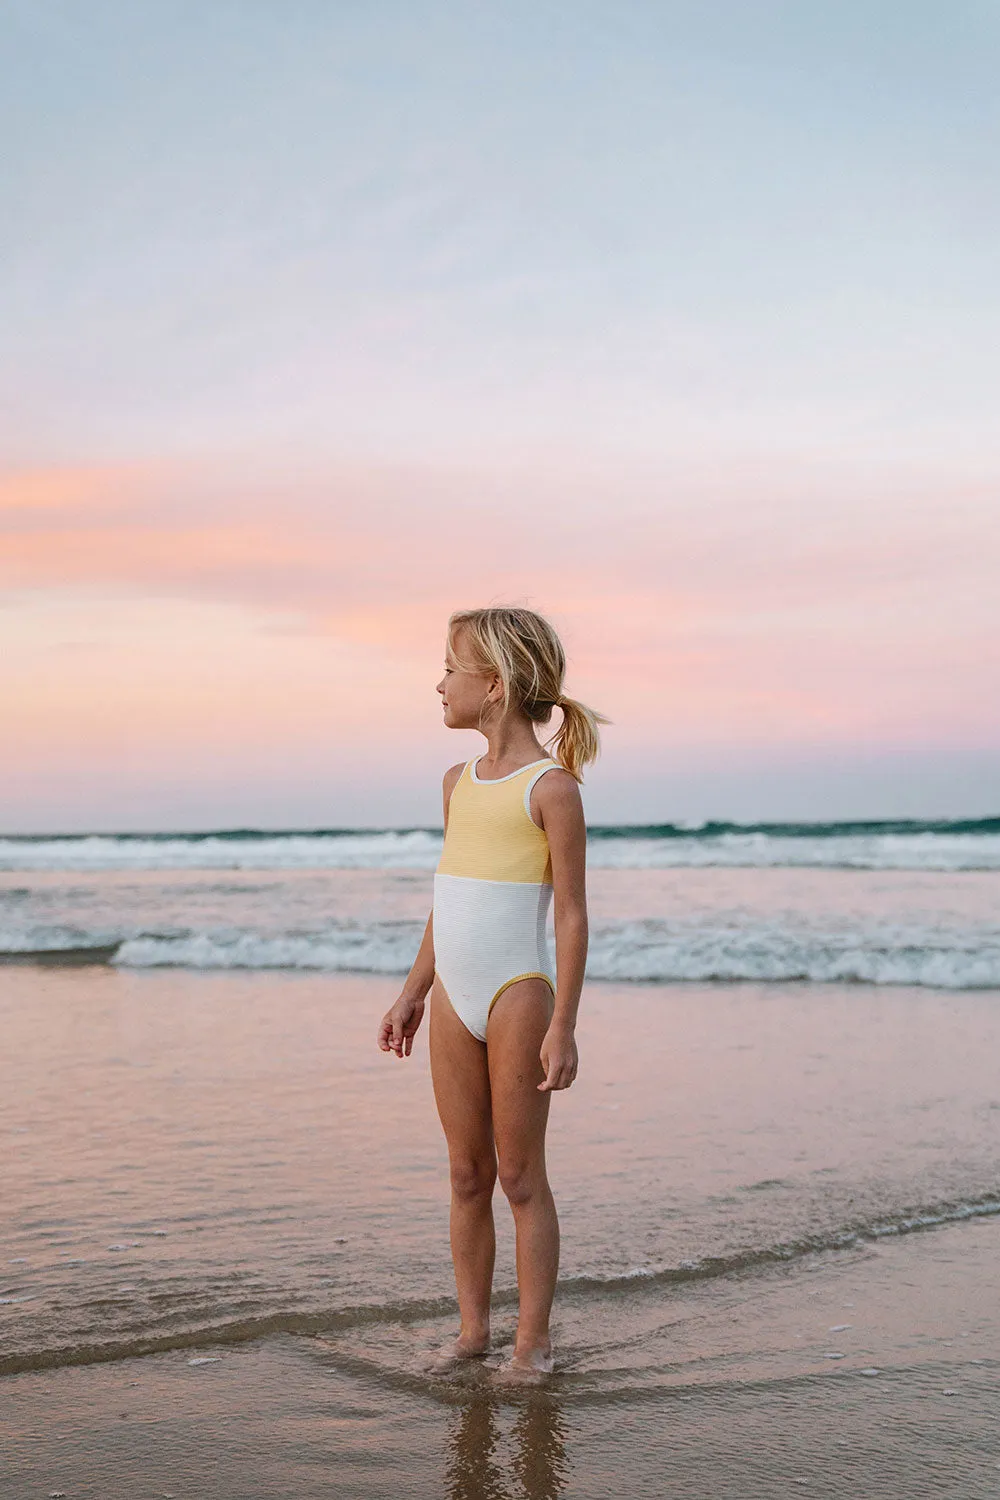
(534, 974)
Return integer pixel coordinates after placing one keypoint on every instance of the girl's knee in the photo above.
(521, 1181)
(473, 1177)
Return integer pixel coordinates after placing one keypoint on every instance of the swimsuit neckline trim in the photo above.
(495, 780)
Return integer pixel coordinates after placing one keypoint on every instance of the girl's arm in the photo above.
(561, 813)
(399, 1025)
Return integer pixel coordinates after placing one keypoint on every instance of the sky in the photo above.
(679, 322)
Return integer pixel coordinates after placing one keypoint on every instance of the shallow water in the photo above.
(202, 1155)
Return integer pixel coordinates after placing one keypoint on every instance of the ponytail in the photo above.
(577, 742)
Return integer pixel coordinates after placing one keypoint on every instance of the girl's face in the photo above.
(466, 696)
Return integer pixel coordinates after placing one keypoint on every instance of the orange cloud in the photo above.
(69, 489)
(180, 558)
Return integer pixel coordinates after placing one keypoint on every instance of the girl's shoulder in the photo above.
(557, 788)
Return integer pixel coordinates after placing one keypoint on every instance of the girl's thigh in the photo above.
(514, 1035)
(461, 1079)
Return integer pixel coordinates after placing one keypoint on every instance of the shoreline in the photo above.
(875, 1367)
(670, 1279)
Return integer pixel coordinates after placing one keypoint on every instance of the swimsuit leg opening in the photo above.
(457, 1009)
(532, 974)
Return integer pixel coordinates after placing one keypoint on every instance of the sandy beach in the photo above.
(226, 1250)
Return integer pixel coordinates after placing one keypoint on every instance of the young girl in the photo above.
(502, 1027)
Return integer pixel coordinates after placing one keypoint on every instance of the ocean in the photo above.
(875, 903)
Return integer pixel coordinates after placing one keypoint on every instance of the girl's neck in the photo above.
(511, 744)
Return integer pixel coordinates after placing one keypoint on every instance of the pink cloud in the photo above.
(708, 612)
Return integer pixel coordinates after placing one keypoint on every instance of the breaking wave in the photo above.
(765, 950)
(971, 844)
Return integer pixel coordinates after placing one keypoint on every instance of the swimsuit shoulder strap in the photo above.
(540, 770)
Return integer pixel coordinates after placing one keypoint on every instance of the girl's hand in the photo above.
(558, 1057)
(399, 1026)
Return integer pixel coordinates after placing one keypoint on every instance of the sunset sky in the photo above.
(678, 321)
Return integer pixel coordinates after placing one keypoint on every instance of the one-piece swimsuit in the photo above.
(492, 892)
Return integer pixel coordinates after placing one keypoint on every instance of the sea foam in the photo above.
(761, 949)
(944, 846)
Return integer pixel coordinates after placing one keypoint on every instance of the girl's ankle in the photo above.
(475, 1336)
(525, 1347)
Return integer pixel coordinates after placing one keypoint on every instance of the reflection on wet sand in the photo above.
(540, 1448)
(538, 1466)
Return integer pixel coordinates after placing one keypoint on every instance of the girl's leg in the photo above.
(462, 1091)
(516, 1028)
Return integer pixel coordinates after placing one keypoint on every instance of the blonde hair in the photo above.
(524, 650)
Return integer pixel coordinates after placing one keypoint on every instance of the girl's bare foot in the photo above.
(529, 1367)
(454, 1352)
